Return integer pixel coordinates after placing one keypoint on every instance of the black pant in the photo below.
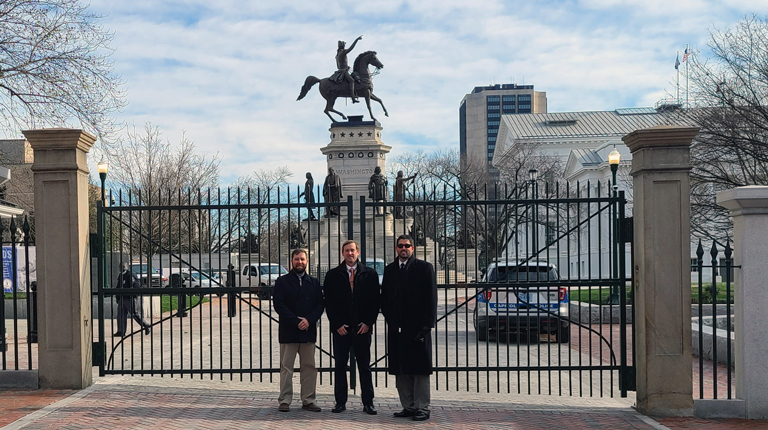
(361, 344)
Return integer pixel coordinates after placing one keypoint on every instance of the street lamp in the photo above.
(613, 159)
(103, 168)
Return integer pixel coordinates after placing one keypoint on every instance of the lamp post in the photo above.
(102, 167)
(533, 174)
(613, 159)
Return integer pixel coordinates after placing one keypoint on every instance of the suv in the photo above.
(142, 272)
(522, 297)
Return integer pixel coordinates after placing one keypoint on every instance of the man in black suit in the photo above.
(298, 300)
(352, 305)
(129, 304)
(409, 304)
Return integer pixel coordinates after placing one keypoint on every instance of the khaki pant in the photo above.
(307, 371)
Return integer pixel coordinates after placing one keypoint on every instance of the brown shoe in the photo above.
(311, 407)
(284, 407)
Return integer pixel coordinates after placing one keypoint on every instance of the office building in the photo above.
(480, 116)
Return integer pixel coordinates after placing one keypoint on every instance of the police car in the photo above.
(522, 297)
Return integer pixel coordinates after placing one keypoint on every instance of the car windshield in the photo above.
(199, 276)
(272, 270)
(140, 269)
(522, 273)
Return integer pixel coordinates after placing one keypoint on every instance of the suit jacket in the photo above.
(409, 304)
(292, 301)
(344, 306)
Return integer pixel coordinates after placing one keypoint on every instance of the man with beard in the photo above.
(352, 305)
(298, 300)
(409, 305)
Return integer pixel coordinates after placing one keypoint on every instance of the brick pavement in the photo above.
(15, 404)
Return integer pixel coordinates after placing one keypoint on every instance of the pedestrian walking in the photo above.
(231, 296)
(352, 306)
(298, 300)
(409, 305)
(128, 304)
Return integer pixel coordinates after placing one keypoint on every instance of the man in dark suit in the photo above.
(298, 300)
(129, 304)
(409, 304)
(352, 305)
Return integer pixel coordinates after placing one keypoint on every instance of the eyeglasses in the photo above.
(404, 245)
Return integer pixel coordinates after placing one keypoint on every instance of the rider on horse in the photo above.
(343, 73)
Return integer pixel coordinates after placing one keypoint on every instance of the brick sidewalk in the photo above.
(15, 404)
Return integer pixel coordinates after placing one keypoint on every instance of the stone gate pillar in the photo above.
(749, 209)
(661, 191)
(63, 262)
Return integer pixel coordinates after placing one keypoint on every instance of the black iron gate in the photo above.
(555, 334)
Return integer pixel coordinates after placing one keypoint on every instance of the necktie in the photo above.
(352, 278)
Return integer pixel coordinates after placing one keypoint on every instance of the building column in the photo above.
(749, 209)
(63, 262)
(661, 189)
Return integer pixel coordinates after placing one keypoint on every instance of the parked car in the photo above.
(261, 276)
(522, 298)
(143, 273)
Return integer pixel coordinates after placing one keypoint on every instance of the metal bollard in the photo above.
(33, 310)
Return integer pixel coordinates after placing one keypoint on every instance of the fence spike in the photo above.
(700, 251)
(728, 250)
(713, 252)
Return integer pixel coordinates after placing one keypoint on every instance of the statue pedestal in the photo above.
(354, 151)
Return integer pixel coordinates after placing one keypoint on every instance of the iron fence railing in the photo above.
(712, 322)
(18, 316)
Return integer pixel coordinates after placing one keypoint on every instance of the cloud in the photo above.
(229, 72)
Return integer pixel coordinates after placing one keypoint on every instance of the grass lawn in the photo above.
(170, 303)
(9, 296)
(600, 295)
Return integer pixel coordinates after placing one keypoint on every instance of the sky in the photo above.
(227, 73)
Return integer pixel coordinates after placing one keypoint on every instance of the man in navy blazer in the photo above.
(298, 300)
(352, 305)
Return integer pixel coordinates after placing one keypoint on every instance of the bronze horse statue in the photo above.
(331, 90)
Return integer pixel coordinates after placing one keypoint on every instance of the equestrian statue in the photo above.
(341, 83)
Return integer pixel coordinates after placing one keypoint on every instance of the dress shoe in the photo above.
(118, 335)
(148, 329)
(338, 408)
(405, 413)
(284, 407)
(311, 407)
(369, 409)
(420, 416)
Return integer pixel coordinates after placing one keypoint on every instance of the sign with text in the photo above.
(22, 268)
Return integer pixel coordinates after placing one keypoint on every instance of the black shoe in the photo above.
(405, 413)
(420, 416)
(369, 409)
(118, 335)
(147, 329)
(338, 408)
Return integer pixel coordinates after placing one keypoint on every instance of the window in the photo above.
(551, 233)
(494, 115)
(490, 155)
(509, 107)
(694, 265)
(492, 99)
(493, 130)
(492, 123)
(524, 106)
(508, 98)
(491, 147)
(524, 98)
(491, 138)
(493, 107)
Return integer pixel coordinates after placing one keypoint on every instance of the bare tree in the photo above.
(149, 171)
(731, 93)
(54, 66)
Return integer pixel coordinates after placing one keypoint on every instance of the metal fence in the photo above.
(18, 316)
(712, 322)
(223, 324)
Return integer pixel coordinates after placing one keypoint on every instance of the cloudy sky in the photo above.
(228, 72)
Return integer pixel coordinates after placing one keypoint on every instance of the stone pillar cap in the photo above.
(59, 138)
(753, 197)
(660, 136)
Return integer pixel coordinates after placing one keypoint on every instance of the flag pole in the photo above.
(677, 69)
(687, 54)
